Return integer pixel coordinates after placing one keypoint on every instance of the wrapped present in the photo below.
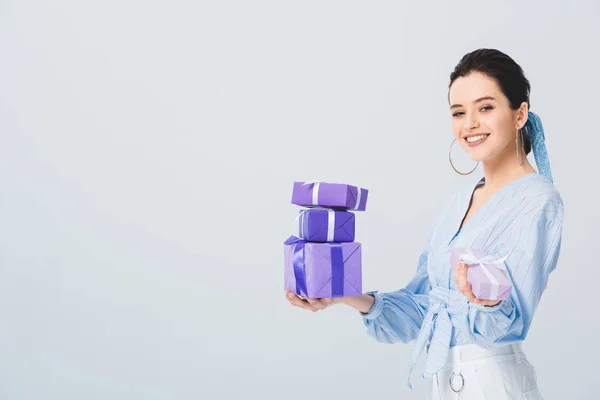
(487, 280)
(326, 225)
(322, 270)
(330, 195)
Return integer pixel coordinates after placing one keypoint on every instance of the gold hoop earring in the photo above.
(452, 164)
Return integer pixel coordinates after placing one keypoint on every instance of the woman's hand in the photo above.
(460, 277)
(311, 304)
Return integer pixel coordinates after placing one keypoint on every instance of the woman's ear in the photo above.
(522, 115)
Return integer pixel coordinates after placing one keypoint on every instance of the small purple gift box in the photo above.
(487, 280)
(322, 270)
(331, 195)
(318, 225)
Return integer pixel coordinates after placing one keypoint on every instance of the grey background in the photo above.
(148, 150)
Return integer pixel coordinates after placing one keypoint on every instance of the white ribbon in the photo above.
(330, 222)
(469, 258)
(315, 194)
(315, 191)
(358, 195)
(300, 226)
(330, 225)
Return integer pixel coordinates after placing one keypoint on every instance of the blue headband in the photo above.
(535, 132)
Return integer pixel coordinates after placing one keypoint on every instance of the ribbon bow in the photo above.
(469, 258)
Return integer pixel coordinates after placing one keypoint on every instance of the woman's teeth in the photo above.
(472, 139)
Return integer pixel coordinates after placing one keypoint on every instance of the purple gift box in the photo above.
(487, 280)
(322, 270)
(325, 194)
(317, 225)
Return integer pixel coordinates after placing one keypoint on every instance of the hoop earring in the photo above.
(519, 138)
(452, 164)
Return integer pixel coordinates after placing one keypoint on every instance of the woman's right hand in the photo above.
(311, 304)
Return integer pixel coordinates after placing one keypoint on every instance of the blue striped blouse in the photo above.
(524, 220)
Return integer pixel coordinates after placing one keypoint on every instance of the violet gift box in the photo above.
(490, 283)
(330, 195)
(322, 270)
(317, 225)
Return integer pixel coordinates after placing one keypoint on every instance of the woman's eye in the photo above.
(487, 108)
(458, 113)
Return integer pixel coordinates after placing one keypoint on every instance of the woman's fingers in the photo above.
(309, 303)
(460, 276)
(298, 302)
(316, 303)
(302, 304)
(488, 303)
(323, 303)
(469, 294)
(328, 301)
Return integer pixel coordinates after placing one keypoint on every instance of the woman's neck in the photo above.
(503, 170)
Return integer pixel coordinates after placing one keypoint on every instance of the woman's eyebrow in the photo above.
(476, 101)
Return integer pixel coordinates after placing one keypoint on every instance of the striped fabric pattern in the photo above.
(523, 219)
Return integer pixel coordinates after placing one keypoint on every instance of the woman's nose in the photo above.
(470, 122)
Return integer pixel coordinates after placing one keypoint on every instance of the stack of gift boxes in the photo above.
(324, 261)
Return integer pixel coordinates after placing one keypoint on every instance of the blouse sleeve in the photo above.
(398, 316)
(533, 244)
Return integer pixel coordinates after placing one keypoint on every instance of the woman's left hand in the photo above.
(460, 277)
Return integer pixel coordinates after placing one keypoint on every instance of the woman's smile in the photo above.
(475, 140)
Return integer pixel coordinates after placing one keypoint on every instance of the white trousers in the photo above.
(474, 373)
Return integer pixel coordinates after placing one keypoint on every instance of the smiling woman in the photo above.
(489, 93)
(513, 215)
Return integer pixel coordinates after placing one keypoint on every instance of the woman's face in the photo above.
(482, 120)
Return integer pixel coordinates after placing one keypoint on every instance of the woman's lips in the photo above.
(477, 142)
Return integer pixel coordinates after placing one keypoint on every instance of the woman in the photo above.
(474, 346)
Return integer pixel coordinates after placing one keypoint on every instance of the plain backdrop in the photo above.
(147, 155)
